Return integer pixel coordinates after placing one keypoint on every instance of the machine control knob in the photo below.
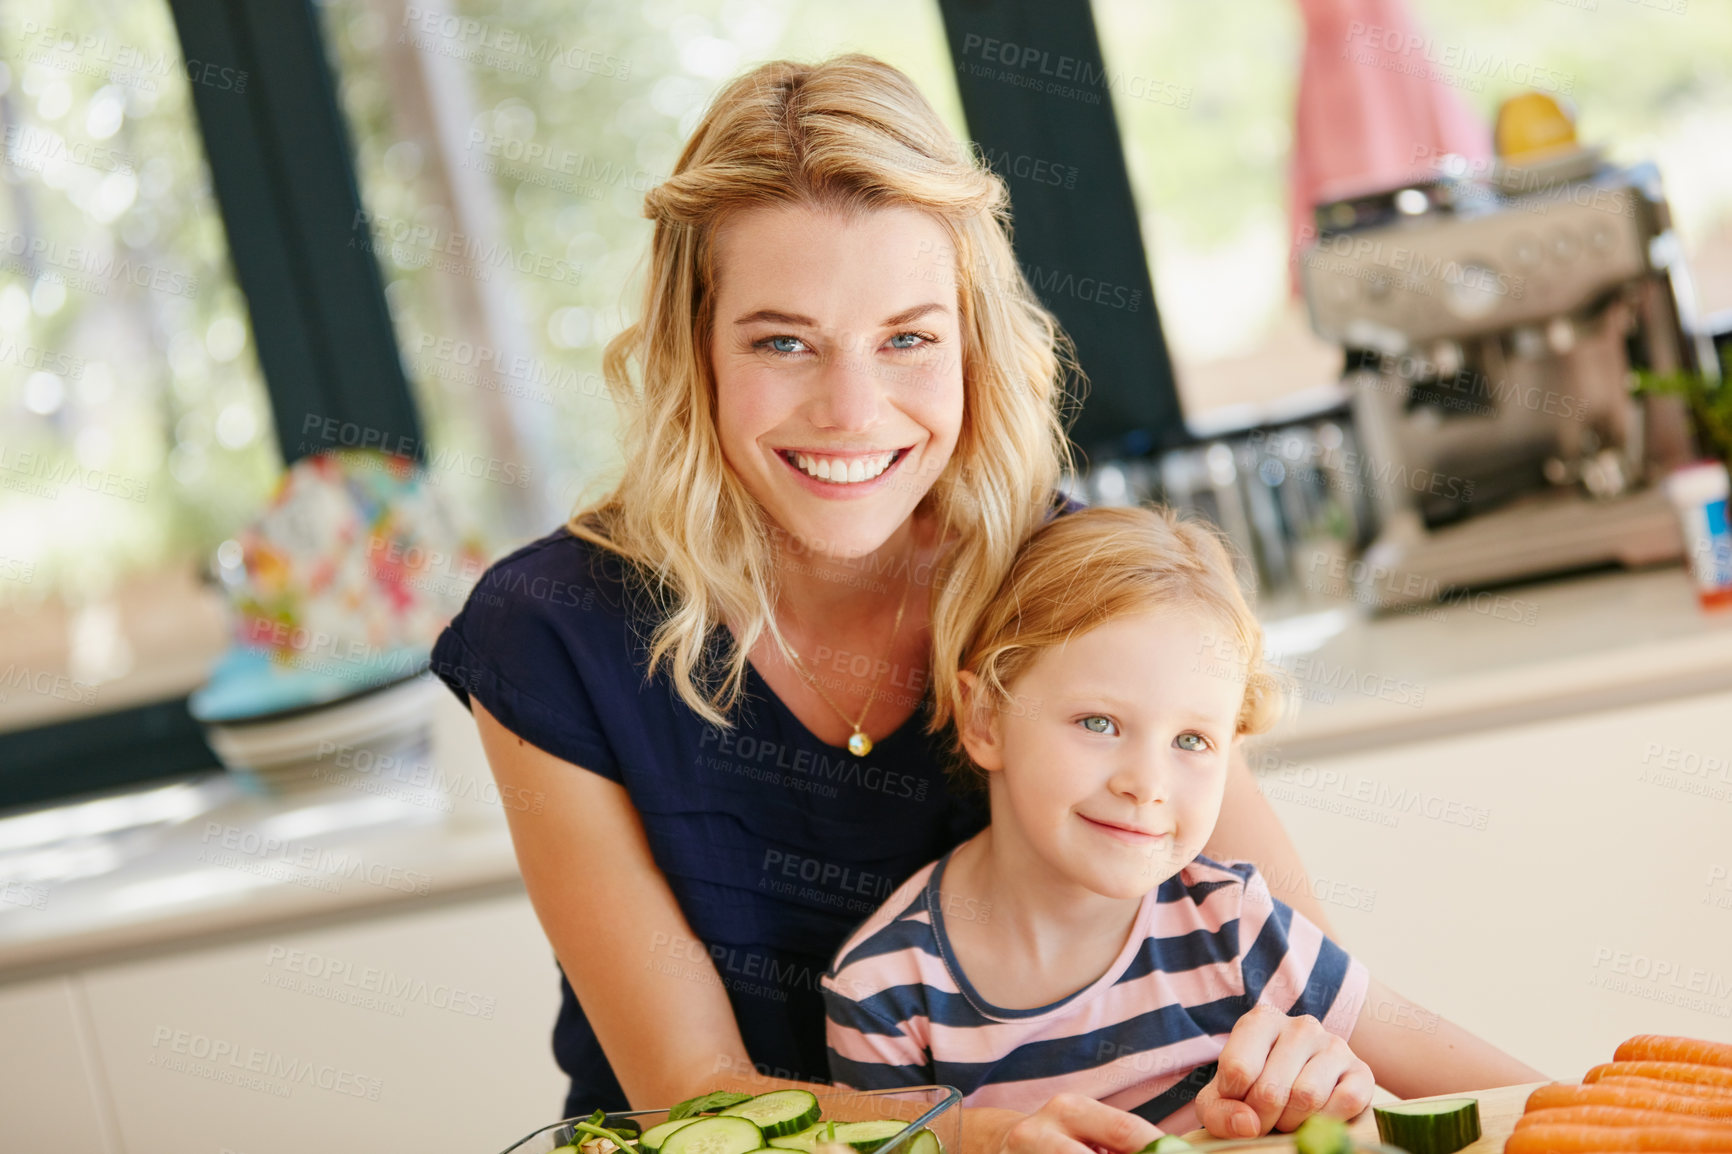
(1473, 294)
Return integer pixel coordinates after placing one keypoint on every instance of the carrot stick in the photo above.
(1600, 1139)
(1609, 1147)
(1691, 1089)
(1557, 1095)
(1669, 1048)
(1619, 1116)
(1665, 1071)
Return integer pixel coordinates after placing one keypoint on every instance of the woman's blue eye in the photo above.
(774, 345)
(1192, 742)
(1105, 724)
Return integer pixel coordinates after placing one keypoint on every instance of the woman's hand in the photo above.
(1277, 1071)
(1073, 1124)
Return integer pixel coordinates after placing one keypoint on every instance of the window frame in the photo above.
(1090, 268)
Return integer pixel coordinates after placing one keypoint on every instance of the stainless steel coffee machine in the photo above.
(1491, 323)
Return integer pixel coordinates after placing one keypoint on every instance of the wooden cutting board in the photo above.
(1498, 1110)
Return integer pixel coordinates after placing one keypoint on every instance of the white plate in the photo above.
(389, 723)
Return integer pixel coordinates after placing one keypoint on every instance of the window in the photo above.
(134, 425)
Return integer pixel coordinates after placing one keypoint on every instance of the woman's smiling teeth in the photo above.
(839, 471)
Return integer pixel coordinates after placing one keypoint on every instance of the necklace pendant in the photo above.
(859, 744)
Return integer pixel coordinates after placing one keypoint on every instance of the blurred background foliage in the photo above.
(134, 426)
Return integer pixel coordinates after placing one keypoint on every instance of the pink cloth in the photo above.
(1378, 102)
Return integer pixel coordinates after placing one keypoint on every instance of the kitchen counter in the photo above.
(1516, 814)
(1570, 646)
(204, 860)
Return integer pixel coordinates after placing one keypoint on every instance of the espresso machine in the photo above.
(1490, 324)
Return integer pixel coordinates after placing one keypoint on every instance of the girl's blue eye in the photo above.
(921, 337)
(1105, 724)
(1192, 742)
(777, 349)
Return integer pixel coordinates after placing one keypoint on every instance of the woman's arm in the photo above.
(1411, 1050)
(644, 980)
(1249, 830)
(1415, 1053)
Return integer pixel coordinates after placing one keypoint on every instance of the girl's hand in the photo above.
(1073, 1124)
(1277, 1071)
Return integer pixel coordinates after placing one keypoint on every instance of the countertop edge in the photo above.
(281, 908)
(1680, 668)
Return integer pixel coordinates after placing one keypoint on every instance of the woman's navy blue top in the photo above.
(775, 844)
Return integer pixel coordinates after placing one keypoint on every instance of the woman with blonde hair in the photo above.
(843, 417)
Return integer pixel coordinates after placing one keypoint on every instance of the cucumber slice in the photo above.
(652, 1139)
(1438, 1127)
(926, 1142)
(712, 1103)
(801, 1140)
(714, 1135)
(868, 1136)
(1321, 1135)
(1167, 1144)
(778, 1113)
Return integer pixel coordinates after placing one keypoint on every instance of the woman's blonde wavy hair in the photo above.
(1089, 567)
(851, 134)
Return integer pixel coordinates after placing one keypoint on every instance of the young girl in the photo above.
(1081, 943)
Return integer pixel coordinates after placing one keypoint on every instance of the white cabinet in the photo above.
(49, 1097)
(1553, 887)
(427, 1032)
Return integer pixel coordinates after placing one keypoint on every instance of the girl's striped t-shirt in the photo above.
(1208, 944)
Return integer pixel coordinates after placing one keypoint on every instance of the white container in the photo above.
(1699, 493)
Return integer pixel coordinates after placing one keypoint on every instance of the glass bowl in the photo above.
(932, 1108)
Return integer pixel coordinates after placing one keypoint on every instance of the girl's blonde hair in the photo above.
(849, 134)
(1088, 567)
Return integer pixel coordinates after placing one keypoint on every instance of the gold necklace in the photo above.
(858, 743)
